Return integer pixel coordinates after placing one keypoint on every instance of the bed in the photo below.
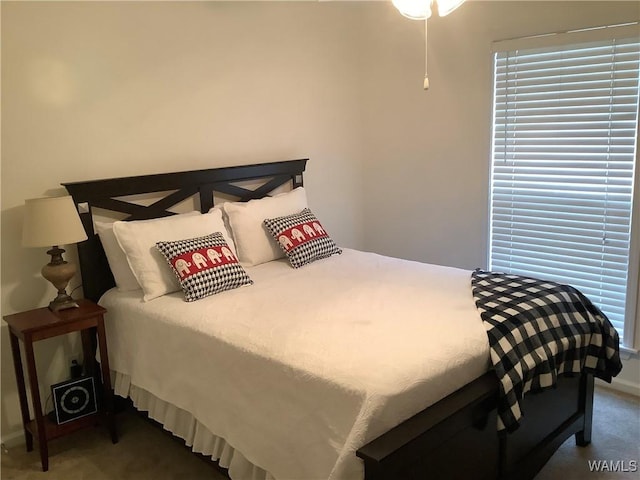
(308, 390)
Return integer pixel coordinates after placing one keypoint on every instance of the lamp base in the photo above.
(62, 302)
(59, 272)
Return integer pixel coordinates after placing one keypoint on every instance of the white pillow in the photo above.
(138, 241)
(124, 277)
(254, 243)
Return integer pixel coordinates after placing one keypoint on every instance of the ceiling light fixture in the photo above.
(421, 10)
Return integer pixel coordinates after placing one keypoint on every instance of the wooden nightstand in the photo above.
(42, 323)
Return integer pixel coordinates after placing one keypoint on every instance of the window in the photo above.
(564, 149)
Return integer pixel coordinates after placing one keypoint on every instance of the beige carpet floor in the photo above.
(145, 452)
(615, 438)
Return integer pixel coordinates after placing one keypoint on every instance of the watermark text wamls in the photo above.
(613, 465)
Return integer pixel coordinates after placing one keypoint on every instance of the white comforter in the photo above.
(305, 366)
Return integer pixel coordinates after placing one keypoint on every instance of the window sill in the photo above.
(627, 352)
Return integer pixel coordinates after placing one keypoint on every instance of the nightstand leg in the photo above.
(22, 390)
(89, 352)
(37, 406)
(106, 382)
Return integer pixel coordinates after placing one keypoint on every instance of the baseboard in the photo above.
(13, 439)
(620, 385)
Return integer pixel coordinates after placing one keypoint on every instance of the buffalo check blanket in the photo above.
(538, 330)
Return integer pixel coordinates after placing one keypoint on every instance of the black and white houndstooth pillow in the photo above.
(301, 237)
(204, 265)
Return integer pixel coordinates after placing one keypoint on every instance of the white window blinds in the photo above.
(564, 143)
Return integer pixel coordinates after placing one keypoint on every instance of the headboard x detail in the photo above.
(110, 195)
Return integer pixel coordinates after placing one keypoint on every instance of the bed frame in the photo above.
(432, 443)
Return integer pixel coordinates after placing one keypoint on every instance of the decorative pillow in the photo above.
(254, 243)
(302, 238)
(122, 274)
(138, 241)
(204, 265)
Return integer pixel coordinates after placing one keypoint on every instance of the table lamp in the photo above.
(51, 222)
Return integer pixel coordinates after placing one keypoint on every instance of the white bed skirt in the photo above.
(184, 425)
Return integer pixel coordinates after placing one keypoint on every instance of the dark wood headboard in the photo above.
(177, 187)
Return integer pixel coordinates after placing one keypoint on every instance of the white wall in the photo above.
(103, 89)
(94, 90)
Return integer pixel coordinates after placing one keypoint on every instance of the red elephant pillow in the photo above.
(204, 265)
(302, 237)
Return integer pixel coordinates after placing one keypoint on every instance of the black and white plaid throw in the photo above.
(538, 330)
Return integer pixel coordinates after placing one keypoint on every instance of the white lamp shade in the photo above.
(51, 221)
(413, 9)
(445, 7)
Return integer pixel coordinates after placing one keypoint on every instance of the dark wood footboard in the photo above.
(426, 445)
(456, 438)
